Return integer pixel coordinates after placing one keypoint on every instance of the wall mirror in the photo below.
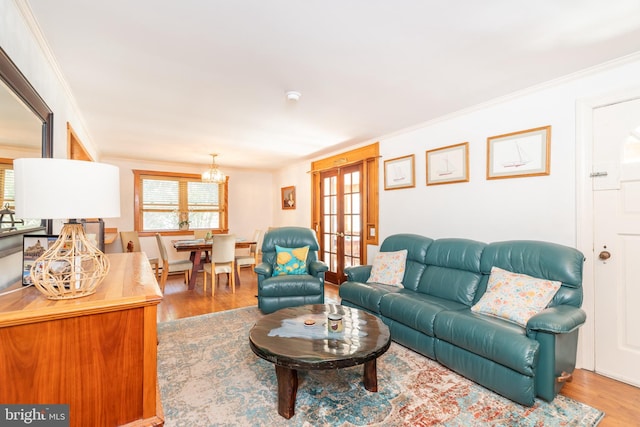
(26, 130)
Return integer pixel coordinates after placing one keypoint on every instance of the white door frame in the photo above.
(584, 211)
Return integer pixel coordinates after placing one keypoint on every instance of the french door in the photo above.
(341, 220)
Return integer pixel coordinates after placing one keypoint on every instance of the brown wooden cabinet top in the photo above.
(130, 283)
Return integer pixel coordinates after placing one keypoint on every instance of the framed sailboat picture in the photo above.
(400, 173)
(519, 154)
(449, 164)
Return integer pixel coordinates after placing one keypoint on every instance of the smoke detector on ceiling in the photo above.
(293, 95)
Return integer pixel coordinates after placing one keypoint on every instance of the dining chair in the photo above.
(130, 242)
(172, 266)
(223, 250)
(249, 258)
(201, 234)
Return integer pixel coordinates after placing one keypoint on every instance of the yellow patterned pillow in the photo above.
(291, 261)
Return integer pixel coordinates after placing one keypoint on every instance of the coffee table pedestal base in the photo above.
(287, 390)
(371, 376)
(288, 386)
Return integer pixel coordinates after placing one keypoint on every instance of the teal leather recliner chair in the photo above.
(289, 290)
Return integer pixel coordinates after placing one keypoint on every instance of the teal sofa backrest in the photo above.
(453, 270)
(543, 260)
(416, 255)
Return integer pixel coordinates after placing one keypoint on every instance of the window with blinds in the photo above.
(7, 186)
(8, 194)
(167, 202)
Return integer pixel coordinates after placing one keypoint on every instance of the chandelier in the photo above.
(213, 174)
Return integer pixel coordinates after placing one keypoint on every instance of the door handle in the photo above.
(340, 234)
(604, 255)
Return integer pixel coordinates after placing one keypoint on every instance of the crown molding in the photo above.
(33, 26)
(596, 69)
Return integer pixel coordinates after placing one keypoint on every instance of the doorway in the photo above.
(341, 225)
(616, 239)
(345, 208)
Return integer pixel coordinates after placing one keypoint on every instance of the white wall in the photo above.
(295, 175)
(28, 51)
(23, 47)
(251, 201)
(541, 208)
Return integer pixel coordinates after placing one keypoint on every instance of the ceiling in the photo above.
(168, 80)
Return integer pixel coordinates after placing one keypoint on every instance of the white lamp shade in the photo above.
(66, 189)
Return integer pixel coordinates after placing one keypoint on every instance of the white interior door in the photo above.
(616, 198)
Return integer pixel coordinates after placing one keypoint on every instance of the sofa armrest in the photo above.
(358, 273)
(263, 269)
(317, 267)
(560, 319)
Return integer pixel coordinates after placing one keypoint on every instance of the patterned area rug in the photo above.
(209, 376)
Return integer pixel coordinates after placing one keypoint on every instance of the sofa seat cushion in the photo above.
(499, 340)
(416, 310)
(296, 285)
(365, 295)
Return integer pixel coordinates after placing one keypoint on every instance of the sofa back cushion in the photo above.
(453, 270)
(416, 247)
(543, 260)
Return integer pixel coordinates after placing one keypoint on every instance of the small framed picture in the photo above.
(449, 164)
(519, 154)
(288, 197)
(399, 173)
(33, 246)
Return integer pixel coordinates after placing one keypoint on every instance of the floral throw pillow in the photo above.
(388, 268)
(515, 297)
(290, 261)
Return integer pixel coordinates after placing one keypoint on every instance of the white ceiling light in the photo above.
(213, 175)
(293, 95)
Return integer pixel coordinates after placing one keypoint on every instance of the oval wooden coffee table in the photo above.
(297, 338)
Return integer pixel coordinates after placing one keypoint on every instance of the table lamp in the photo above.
(72, 266)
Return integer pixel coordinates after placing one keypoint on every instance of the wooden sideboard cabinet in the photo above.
(96, 353)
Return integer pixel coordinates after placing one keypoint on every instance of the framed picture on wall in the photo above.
(449, 164)
(288, 197)
(519, 154)
(399, 173)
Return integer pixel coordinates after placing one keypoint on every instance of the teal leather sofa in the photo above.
(431, 312)
(276, 292)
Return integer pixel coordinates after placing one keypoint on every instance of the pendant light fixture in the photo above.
(213, 175)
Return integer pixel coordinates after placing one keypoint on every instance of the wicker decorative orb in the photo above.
(72, 267)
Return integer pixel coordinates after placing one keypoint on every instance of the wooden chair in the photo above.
(250, 258)
(175, 266)
(130, 242)
(200, 234)
(223, 255)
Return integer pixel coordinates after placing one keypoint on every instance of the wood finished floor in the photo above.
(619, 401)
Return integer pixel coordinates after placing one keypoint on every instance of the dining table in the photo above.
(199, 246)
